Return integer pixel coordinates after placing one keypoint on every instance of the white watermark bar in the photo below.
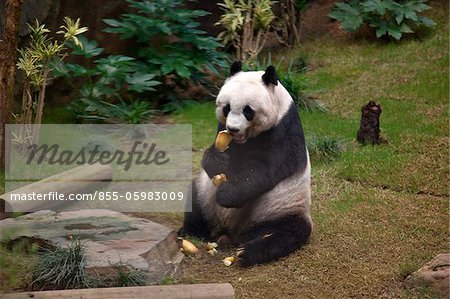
(125, 168)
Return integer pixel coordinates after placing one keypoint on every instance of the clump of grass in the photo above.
(127, 277)
(16, 267)
(61, 267)
(168, 280)
(325, 147)
(407, 268)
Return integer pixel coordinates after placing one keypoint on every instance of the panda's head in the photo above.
(247, 104)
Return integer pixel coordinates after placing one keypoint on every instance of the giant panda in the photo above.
(264, 207)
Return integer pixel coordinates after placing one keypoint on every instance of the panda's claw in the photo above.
(240, 252)
(267, 235)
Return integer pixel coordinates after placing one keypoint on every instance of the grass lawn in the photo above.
(380, 212)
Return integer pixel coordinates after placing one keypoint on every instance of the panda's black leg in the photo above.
(195, 224)
(273, 239)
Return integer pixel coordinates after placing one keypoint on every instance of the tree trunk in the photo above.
(369, 130)
(9, 29)
(40, 109)
(288, 30)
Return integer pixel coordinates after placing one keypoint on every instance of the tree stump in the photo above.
(369, 128)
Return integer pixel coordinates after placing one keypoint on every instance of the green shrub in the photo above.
(325, 147)
(295, 84)
(389, 18)
(168, 44)
(132, 112)
(182, 48)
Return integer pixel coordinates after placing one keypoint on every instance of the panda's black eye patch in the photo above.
(249, 113)
(226, 110)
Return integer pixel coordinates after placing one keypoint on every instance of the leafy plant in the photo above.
(168, 43)
(182, 48)
(114, 78)
(35, 63)
(134, 112)
(390, 18)
(246, 23)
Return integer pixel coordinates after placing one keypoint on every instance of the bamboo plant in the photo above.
(247, 24)
(34, 62)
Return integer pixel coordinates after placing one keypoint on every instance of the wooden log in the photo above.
(369, 128)
(199, 291)
(82, 179)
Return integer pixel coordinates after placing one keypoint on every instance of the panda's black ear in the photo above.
(270, 76)
(235, 68)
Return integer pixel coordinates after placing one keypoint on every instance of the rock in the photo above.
(112, 239)
(434, 274)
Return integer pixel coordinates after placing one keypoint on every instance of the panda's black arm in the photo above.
(262, 171)
(214, 162)
(245, 186)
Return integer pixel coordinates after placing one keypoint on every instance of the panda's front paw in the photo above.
(227, 197)
(214, 162)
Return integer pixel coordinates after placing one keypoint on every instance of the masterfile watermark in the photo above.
(126, 168)
(140, 153)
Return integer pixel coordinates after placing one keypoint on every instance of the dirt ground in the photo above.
(315, 22)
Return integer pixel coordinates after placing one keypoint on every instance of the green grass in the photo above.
(52, 115)
(410, 81)
(380, 212)
(17, 261)
(204, 123)
(2, 181)
(168, 280)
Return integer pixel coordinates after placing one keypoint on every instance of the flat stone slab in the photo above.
(435, 274)
(111, 239)
(198, 291)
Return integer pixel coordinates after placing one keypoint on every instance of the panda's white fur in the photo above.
(260, 156)
(270, 104)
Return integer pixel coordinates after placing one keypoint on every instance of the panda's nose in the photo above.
(232, 130)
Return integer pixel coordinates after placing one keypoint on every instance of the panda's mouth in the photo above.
(239, 138)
